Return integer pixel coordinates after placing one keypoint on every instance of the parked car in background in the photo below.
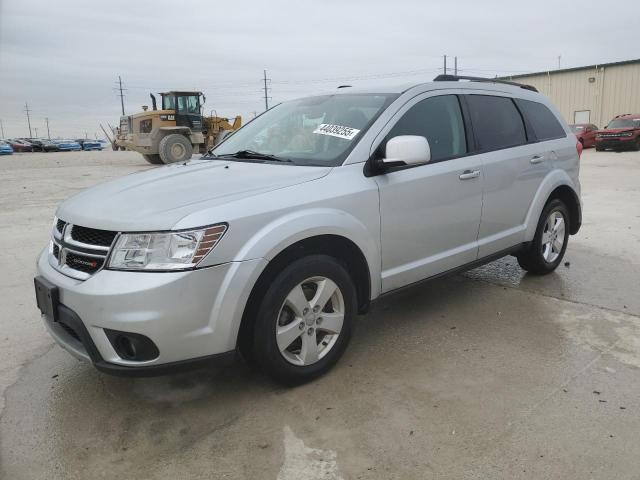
(68, 145)
(43, 145)
(274, 252)
(5, 148)
(622, 133)
(20, 145)
(585, 133)
(88, 144)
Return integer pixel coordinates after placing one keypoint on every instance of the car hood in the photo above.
(156, 199)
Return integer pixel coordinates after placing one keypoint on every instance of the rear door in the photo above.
(514, 165)
(429, 213)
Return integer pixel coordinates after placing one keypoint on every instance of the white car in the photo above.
(274, 241)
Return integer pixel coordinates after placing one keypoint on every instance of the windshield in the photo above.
(168, 102)
(310, 131)
(576, 128)
(624, 123)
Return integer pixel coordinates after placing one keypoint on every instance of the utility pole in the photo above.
(559, 57)
(121, 95)
(455, 66)
(36, 129)
(2, 129)
(266, 91)
(26, 109)
(445, 64)
(46, 119)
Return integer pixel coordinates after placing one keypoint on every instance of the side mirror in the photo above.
(407, 150)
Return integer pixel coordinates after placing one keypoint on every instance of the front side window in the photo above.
(496, 122)
(317, 131)
(544, 123)
(439, 120)
(188, 104)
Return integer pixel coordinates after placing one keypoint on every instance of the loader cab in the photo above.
(188, 108)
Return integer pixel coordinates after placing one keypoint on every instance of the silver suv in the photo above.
(270, 244)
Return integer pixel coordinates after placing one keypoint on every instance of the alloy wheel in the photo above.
(310, 321)
(553, 236)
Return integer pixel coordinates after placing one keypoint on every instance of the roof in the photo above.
(182, 92)
(439, 85)
(573, 69)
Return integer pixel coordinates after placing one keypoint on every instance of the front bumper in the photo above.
(616, 143)
(191, 316)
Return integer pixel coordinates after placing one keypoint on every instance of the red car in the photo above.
(20, 145)
(622, 133)
(585, 133)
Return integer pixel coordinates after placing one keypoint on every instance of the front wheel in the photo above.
(550, 241)
(175, 148)
(303, 322)
(153, 159)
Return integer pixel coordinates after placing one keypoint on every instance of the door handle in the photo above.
(537, 159)
(469, 174)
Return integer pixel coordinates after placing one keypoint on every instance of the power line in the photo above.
(26, 109)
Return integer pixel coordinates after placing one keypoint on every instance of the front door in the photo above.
(430, 214)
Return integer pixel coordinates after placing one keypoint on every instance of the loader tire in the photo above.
(175, 148)
(153, 159)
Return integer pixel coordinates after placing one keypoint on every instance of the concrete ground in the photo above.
(490, 374)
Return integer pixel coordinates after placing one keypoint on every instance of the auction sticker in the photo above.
(336, 131)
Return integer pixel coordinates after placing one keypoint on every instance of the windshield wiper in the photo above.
(253, 155)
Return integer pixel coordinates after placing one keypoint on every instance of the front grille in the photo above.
(78, 251)
(83, 263)
(92, 236)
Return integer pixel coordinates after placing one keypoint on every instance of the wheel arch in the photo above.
(559, 185)
(337, 246)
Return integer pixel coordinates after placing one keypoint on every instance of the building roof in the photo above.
(573, 69)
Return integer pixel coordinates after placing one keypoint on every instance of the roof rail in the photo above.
(455, 78)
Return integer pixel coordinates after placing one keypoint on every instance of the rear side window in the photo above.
(439, 119)
(496, 122)
(544, 123)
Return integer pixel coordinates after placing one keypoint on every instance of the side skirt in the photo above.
(463, 268)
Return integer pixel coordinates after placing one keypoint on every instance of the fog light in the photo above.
(132, 346)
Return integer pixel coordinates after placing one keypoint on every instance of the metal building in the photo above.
(591, 94)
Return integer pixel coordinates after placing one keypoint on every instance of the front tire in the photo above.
(153, 159)
(550, 241)
(303, 322)
(175, 148)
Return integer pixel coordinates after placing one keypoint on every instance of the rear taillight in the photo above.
(579, 148)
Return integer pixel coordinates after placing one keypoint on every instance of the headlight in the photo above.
(164, 250)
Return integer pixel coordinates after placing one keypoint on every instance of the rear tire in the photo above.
(175, 148)
(315, 297)
(550, 241)
(153, 159)
(636, 146)
(599, 149)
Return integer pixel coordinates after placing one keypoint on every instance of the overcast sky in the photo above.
(63, 57)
